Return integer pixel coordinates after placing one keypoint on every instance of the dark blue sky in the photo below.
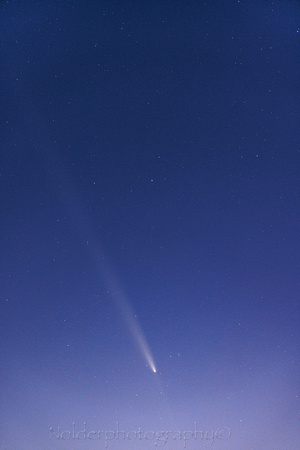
(150, 221)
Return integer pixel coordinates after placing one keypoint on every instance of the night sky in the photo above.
(149, 224)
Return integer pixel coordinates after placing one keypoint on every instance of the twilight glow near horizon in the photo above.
(149, 225)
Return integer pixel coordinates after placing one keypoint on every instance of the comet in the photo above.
(131, 321)
(67, 196)
(103, 269)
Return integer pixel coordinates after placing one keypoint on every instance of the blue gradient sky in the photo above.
(149, 209)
